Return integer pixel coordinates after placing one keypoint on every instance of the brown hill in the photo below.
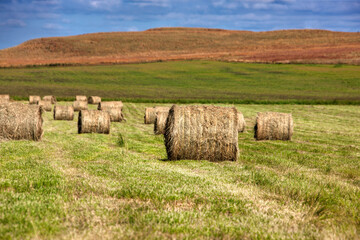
(305, 46)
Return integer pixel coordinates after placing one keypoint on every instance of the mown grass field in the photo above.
(89, 186)
(190, 81)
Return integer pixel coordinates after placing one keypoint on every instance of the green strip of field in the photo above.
(118, 186)
(191, 81)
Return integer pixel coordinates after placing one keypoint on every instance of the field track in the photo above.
(89, 186)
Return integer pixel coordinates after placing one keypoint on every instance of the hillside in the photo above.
(162, 44)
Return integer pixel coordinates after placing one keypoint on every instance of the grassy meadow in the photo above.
(93, 186)
(190, 81)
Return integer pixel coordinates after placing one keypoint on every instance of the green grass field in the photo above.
(89, 186)
(190, 81)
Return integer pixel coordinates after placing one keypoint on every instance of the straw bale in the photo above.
(111, 104)
(202, 132)
(80, 105)
(273, 126)
(81, 98)
(241, 123)
(63, 113)
(94, 121)
(52, 99)
(21, 121)
(160, 123)
(94, 100)
(150, 114)
(46, 105)
(4, 98)
(34, 99)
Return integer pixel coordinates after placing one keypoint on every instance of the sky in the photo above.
(22, 20)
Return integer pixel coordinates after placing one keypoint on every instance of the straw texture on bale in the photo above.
(202, 132)
(80, 105)
(160, 123)
(241, 123)
(21, 121)
(52, 99)
(94, 121)
(94, 100)
(46, 105)
(81, 98)
(63, 113)
(273, 126)
(111, 104)
(34, 99)
(150, 113)
(4, 98)
(116, 114)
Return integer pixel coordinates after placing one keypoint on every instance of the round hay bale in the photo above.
(202, 132)
(150, 114)
(51, 99)
(94, 100)
(46, 105)
(80, 105)
(81, 98)
(274, 126)
(94, 121)
(21, 121)
(63, 113)
(160, 123)
(111, 104)
(116, 114)
(34, 99)
(4, 98)
(241, 122)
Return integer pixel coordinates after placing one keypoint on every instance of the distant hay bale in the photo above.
(160, 123)
(202, 132)
(34, 99)
(115, 113)
(274, 126)
(4, 98)
(63, 113)
(111, 104)
(150, 113)
(94, 100)
(94, 121)
(81, 98)
(21, 121)
(46, 105)
(52, 99)
(241, 123)
(80, 105)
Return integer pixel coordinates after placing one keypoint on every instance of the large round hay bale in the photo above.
(94, 121)
(52, 99)
(241, 122)
(150, 113)
(4, 98)
(202, 132)
(21, 121)
(160, 123)
(81, 98)
(63, 113)
(116, 114)
(94, 100)
(111, 104)
(273, 126)
(80, 105)
(34, 99)
(46, 105)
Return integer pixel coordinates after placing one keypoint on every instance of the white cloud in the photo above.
(13, 23)
(156, 3)
(52, 26)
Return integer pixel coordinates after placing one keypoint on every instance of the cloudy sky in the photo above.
(21, 20)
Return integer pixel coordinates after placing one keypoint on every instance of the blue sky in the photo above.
(21, 20)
